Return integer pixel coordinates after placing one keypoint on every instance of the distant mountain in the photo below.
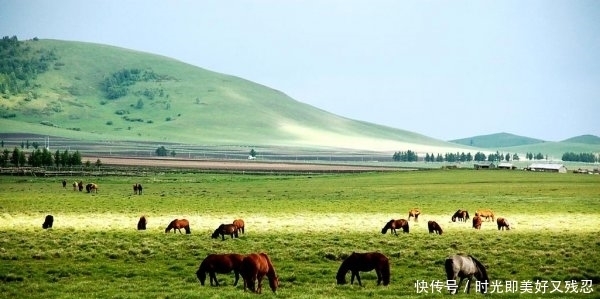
(498, 140)
(585, 139)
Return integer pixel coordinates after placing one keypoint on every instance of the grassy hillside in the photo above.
(554, 150)
(180, 103)
(494, 141)
(585, 139)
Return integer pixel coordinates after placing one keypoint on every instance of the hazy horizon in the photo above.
(448, 70)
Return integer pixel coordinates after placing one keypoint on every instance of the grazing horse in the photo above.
(365, 262)
(460, 266)
(48, 221)
(394, 224)
(142, 223)
(502, 223)
(178, 224)
(239, 223)
(414, 213)
(477, 222)
(219, 263)
(460, 215)
(487, 214)
(64, 183)
(434, 227)
(80, 186)
(75, 186)
(91, 187)
(225, 229)
(137, 188)
(254, 268)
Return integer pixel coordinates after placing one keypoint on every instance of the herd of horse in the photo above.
(435, 228)
(254, 267)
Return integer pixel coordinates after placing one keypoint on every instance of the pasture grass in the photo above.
(307, 224)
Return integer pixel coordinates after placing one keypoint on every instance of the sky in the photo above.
(444, 69)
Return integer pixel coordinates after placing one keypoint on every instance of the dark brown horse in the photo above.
(502, 223)
(239, 223)
(460, 266)
(142, 223)
(395, 224)
(64, 184)
(414, 213)
(365, 262)
(80, 186)
(91, 187)
(48, 222)
(222, 264)
(487, 214)
(477, 222)
(137, 188)
(178, 224)
(460, 215)
(226, 229)
(254, 268)
(434, 227)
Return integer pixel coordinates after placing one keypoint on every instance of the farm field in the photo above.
(306, 223)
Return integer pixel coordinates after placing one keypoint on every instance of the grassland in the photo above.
(307, 224)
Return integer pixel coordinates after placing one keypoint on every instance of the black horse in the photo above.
(48, 221)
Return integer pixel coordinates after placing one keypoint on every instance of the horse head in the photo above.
(201, 276)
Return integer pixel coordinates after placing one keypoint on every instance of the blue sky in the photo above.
(445, 69)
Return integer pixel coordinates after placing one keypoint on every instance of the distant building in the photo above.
(547, 167)
(506, 165)
(484, 165)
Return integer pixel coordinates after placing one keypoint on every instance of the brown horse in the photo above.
(220, 263)
(239, 223)
(477, 222)
(64, 184)
(141, 225)
(460, 215)
(225, 229)
(414, 213)
(80, 186)
(178, 224)
(254, 268)
(365, 262)
(502, 223)
(487, 214)
(395, 224)
(434, 227)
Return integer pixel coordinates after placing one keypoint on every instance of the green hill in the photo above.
(495, 141)
(584, 139)
(93, 92)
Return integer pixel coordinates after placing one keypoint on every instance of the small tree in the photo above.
(161, 151)
(98, 163)
(173, 153)
(88, 164)
(252, 153)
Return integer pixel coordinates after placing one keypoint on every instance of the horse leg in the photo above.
(213, 277)
(358, 278)
(260, 279)
(379, 276)
(237, 277)
(223, 237)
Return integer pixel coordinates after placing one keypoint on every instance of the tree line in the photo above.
(38, 158)
(411, 156)
(581, 157)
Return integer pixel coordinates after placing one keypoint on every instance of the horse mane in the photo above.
(271, 273)
(385, 273)
(344, 268)
(481, 269)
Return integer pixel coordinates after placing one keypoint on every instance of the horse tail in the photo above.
(385, 272)
(467, 215)
(187, 229)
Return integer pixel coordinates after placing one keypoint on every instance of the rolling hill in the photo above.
(498, 140)
(95, 92)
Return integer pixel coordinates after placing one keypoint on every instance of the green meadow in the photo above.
(307, 224)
